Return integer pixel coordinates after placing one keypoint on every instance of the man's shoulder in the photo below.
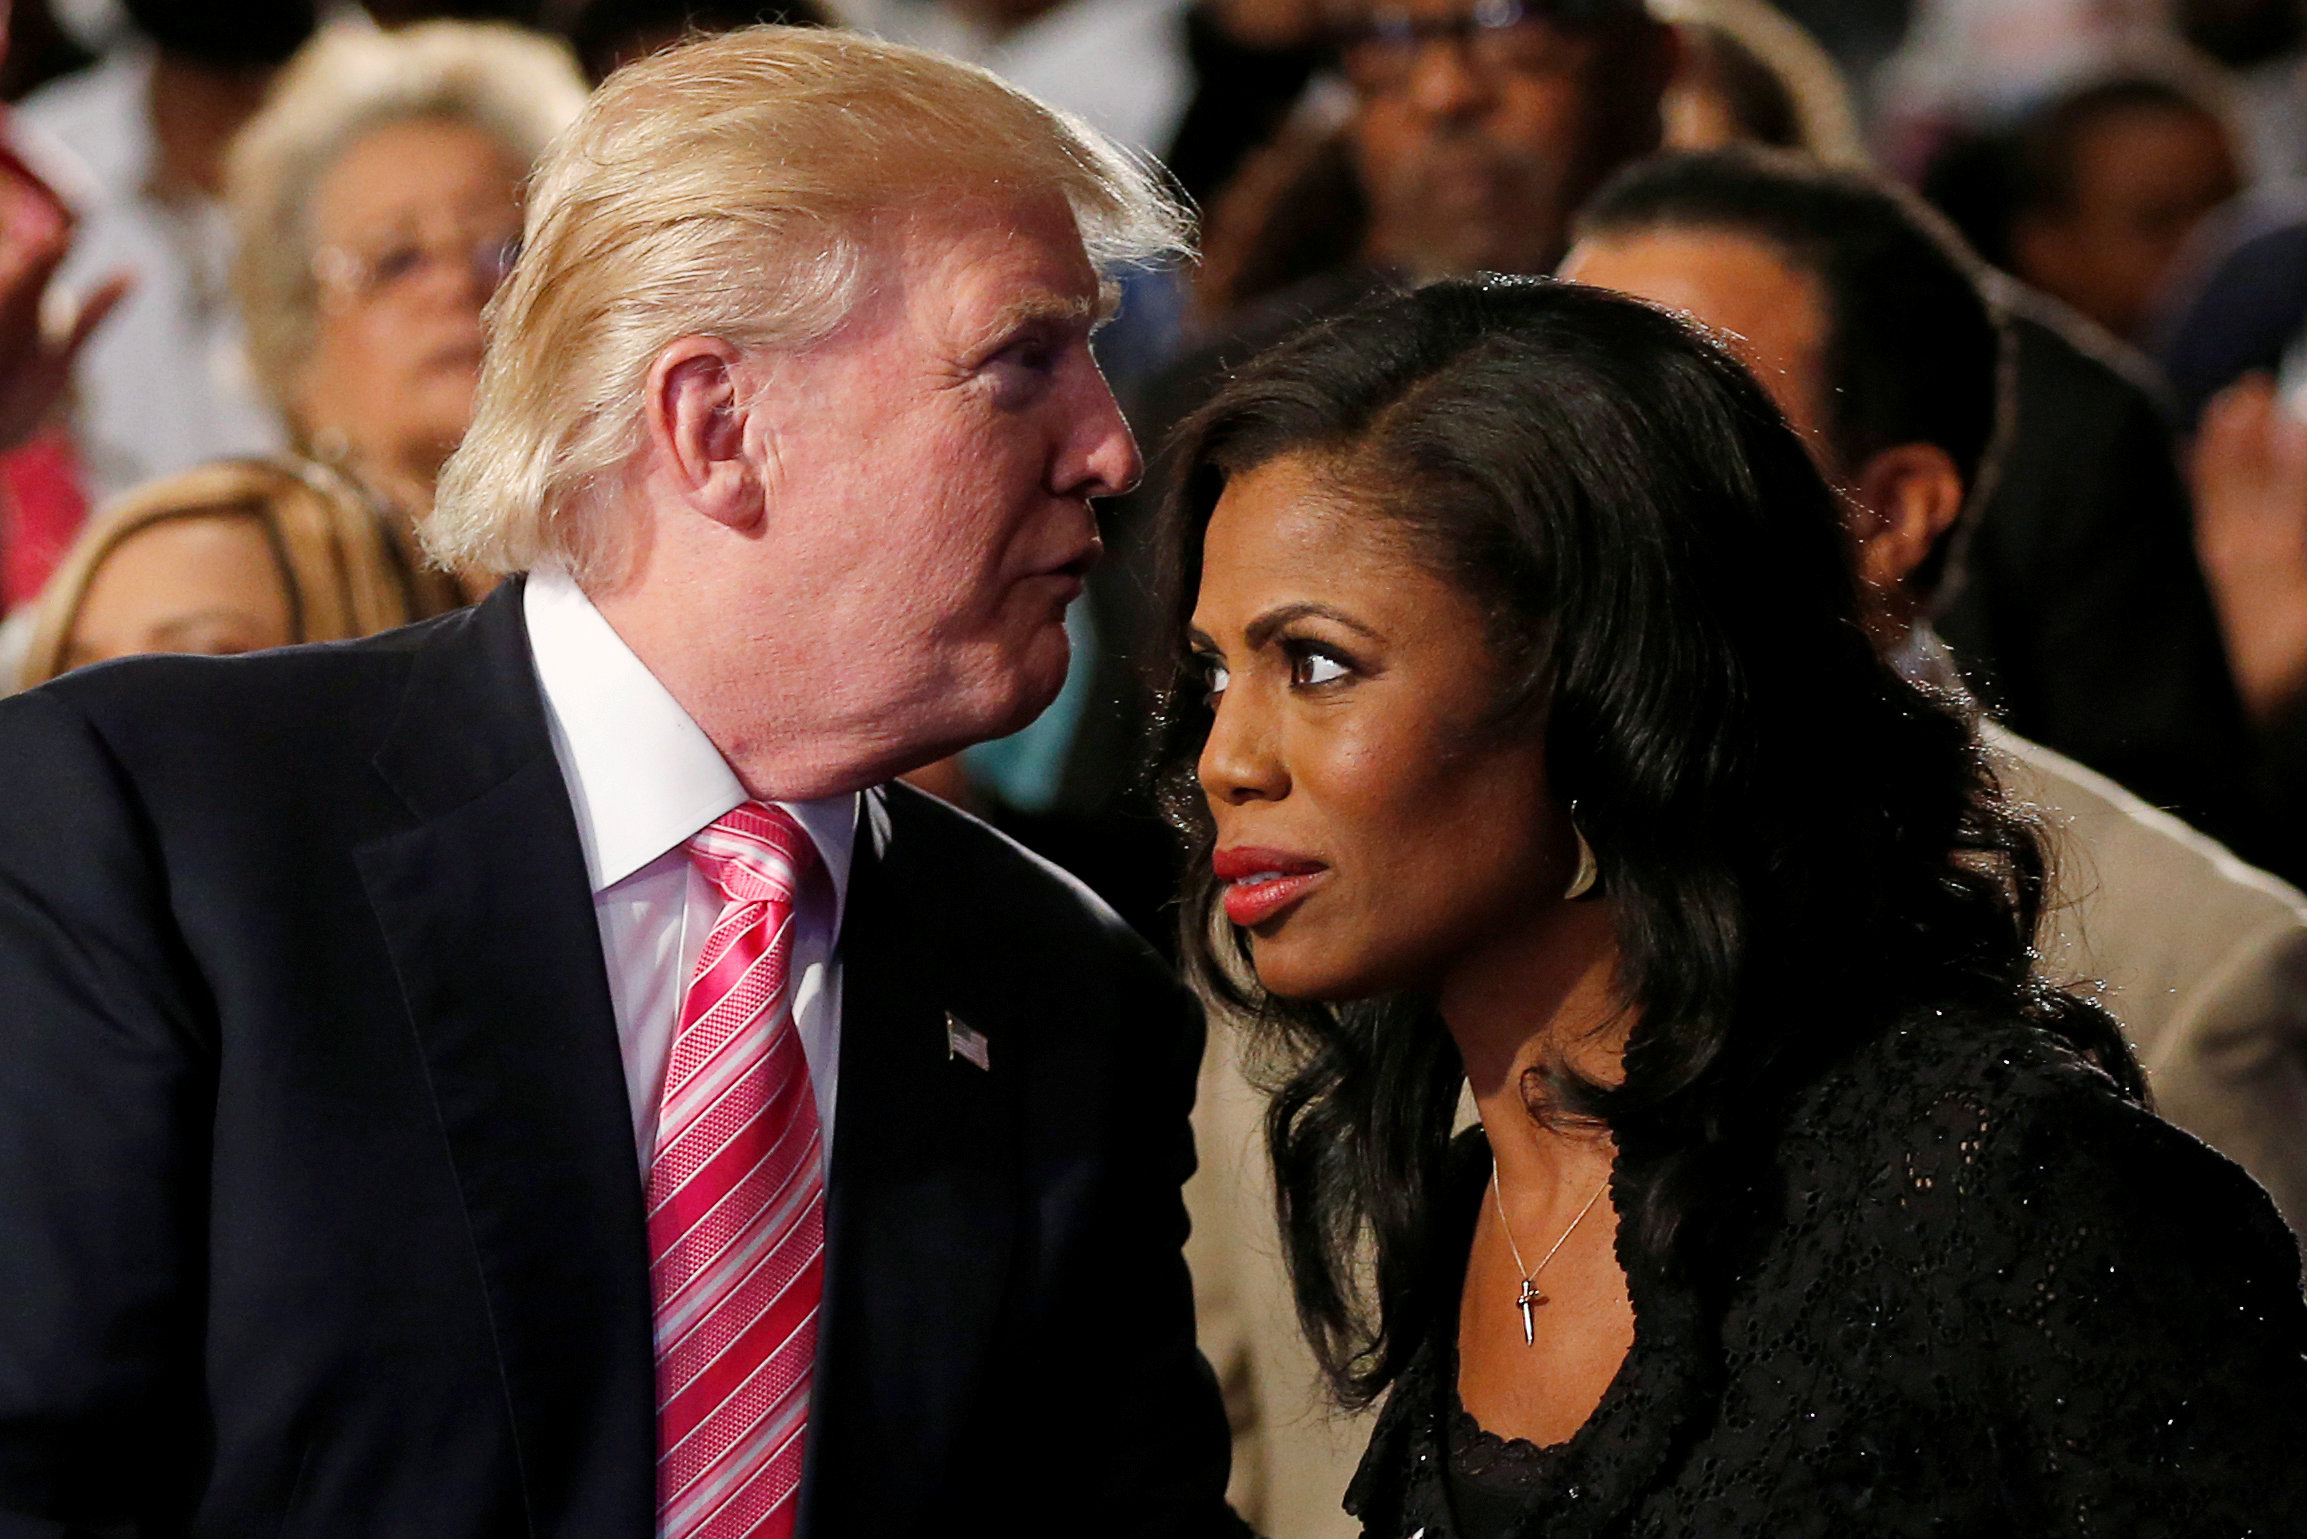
(2066, 360)
(2143, 901)
(996, 887)
(2135, 842)
(295, 690)
(216, 728)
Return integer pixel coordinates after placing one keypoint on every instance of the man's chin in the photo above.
(1026, 689)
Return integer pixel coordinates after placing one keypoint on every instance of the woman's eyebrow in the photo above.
(1261, 630)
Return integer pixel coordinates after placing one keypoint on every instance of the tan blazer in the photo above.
(1293, 1454)
(2203, 957)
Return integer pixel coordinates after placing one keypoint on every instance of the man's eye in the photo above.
(1021, 373)
(1033, 354)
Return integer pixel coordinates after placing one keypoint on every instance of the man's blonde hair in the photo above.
(727, 188)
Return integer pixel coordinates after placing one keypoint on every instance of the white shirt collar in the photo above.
(642, 776)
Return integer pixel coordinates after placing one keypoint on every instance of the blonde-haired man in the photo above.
(529, 1074)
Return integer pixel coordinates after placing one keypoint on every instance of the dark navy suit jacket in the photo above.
(319, 1213)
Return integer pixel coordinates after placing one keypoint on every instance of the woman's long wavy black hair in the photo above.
(1800, 848)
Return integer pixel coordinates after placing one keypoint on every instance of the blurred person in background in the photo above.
(2249, 466)
(377, 199)
(40, 48)
(1857, 34)
(1750, 75)
(43, 329)
(1474, 132)
(1979, 64)
(136, 143)
(2238, 305)
(1119, 64)
(1862, 315)
(2082, 616)
(2263, 44)
(2108, 181)
(231, 557)
(609, 34)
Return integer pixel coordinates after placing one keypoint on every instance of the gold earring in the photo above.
(1588, 872)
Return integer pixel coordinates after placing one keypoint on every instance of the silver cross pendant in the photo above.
(1529, 1300)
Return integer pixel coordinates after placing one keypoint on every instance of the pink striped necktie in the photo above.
(737, 1205)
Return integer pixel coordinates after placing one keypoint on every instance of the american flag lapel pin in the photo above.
(963, 1040)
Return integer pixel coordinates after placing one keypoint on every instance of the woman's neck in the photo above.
(1552, 1003)
(403, 481)
(407, 489)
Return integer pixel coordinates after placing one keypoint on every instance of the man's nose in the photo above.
(1446, 82)
(1102, 458)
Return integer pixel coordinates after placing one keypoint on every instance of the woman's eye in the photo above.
(1311, 668)
(1215, 677)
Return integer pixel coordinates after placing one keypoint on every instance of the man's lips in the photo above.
(1073, 569)
(1081, 562)
(1262, 883)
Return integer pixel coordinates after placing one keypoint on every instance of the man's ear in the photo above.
(1910, 496)
(696, 408)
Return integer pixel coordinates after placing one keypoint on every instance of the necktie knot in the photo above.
(753, 853)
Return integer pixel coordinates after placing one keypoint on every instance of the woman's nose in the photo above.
(1238, 763)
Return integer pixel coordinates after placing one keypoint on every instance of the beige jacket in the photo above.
(2203, 957)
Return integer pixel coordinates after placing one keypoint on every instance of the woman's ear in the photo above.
(696, 413)
(1910, 495)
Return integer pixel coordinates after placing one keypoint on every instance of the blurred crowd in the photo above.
(2058, 365)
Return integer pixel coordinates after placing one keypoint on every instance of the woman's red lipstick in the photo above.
(1262, 883)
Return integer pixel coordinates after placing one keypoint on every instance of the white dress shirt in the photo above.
(642, 778)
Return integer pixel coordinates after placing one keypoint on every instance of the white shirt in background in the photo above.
(164, 383)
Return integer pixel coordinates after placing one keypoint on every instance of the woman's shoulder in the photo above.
(1959, 1127)
(1970, 1215)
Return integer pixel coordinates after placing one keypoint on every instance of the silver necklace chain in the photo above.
(1530, 1294)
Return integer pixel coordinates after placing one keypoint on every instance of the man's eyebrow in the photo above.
(1052, 309)
(1262, 629)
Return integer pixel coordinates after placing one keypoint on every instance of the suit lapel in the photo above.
(484, 904)
(921, 1208)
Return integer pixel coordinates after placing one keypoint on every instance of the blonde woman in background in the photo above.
(377, 200)
(234, 556)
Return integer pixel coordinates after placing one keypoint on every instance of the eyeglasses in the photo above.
(1498, 37)
(364, 273)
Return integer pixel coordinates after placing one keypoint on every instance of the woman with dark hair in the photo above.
(1540, 749)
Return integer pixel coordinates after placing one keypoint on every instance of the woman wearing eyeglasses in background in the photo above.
(376, 200)
(1544, 750)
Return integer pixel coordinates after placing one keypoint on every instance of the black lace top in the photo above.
(1985, 1296)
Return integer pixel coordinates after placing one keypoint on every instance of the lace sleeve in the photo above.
(2131, 1304)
